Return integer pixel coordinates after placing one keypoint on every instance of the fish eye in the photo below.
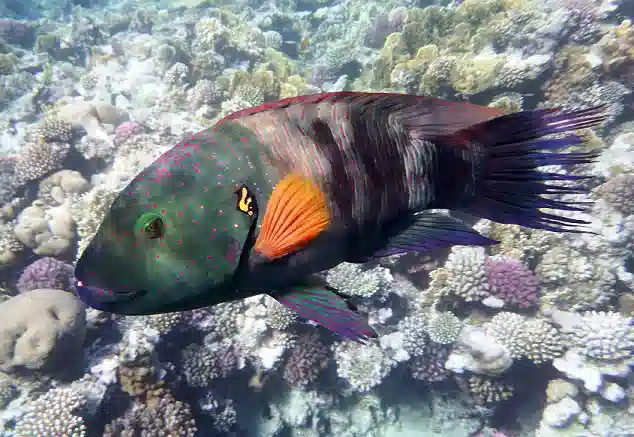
(151, 225)
(154, 229)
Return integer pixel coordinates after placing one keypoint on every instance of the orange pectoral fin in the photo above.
(296, 213)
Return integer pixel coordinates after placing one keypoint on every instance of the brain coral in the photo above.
(41, 329)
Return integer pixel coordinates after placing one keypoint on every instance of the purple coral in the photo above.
(383, 26)
(512, 281)
(430, 366)
(46, 272)
(306, 360)
(127, 130)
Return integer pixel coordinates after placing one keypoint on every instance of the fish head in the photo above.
(173, 239)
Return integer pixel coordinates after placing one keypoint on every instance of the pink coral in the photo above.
(512, 281)
(126, 130)
(46, 272)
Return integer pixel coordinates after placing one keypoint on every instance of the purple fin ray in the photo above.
(431, 231)
(323, 306)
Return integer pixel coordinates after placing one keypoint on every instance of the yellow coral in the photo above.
(476, 74)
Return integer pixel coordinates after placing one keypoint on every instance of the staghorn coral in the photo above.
(362, 366)
(307, 358)
(46, 272)
(511, 280)
(56, 413)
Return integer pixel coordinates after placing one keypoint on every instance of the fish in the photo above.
(270, 197)
(303, 45)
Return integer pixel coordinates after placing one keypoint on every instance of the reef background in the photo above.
(533, 337)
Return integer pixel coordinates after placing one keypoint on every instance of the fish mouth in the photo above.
(104, 300)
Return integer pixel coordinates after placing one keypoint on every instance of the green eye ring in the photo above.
(151, 224)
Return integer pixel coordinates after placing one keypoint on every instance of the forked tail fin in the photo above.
(504, 156)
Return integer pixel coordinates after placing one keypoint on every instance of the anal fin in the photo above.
(324, 306)
(432, 230)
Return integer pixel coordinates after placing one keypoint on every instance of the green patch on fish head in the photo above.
(174, 238)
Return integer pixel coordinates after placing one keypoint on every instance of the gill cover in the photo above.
(173, 239)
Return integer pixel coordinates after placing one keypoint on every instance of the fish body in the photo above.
(271, 195)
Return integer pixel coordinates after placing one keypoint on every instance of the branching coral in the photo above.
(356, 281)
(362, 366)
(36, 160)
(507, 328)
(415, 337)
(10, 245)
(571, 280)
(278, 316)
(307, 358)
(512, 281)
(53, 130)
(489, 391)
(203, 364)
(605, 336)
(167, 417)
(535, 339)
(57, 413)
(619, 193)
(164, 323)
(429, 367)
(443, 327)
(541, 340)
(466, 275)
(618, 52)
